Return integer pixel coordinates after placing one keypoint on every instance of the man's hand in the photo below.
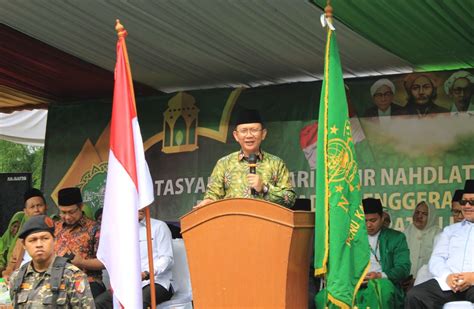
(255, 182)
(77, 261)
(203, 203)
(372, 275)
(465, 281)
(145, 275)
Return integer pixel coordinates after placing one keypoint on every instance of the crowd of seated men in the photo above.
(77, 238)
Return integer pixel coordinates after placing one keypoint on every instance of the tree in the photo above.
(18, 158)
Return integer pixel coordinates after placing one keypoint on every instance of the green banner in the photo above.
(403, 158)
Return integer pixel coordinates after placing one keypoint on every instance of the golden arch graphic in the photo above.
(184, 100)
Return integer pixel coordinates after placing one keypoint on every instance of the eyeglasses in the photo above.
(379, 95)
(464, 202)
(252, 131)
(456, 212)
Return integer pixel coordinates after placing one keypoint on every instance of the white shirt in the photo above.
(162, 251)
(375, 265)
(453, 253)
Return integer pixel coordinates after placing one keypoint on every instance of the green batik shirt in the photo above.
(35, 290)
(229, 179)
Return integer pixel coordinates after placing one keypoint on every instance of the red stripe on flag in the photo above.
(123, 112)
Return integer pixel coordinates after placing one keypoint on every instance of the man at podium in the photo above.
(250, 172)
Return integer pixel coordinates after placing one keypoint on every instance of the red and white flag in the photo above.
(129, 187)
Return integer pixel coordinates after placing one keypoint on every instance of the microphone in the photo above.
(253, 168)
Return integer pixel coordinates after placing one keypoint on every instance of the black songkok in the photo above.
(469, 186)
(249, 116)
(69, 196)
(372, 206)
(32, 193)
(457, 196)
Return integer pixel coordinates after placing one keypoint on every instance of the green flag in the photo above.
(341, 242)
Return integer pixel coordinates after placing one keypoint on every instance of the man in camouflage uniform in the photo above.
(31, 285)
(231, 178)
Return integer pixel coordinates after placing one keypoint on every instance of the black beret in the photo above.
(69, 196)
(32, 192)
(469, 186)
(372, 206)
(248, 116)
(37, 224)
(457, 195)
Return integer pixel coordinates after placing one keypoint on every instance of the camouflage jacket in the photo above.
(35, 290)
(229, 179)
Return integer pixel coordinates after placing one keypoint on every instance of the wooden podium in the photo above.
(247, 253)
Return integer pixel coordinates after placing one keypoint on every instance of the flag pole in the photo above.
(150, 257)
(122, 33)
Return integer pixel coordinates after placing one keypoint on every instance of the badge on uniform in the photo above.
(80, 286)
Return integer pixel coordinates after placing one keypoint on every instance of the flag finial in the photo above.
(121, 32)
(326, 18)
(328, 10)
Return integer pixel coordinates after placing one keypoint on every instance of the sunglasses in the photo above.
(464, 202)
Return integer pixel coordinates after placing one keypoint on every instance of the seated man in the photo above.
(77, 237)
(424, 274)
(231, 177)
(35, 205)
(162, 263)
(31, 286)
(451, 263)
(389, 261)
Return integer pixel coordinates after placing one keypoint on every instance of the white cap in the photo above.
(448, 84)
(380, 83)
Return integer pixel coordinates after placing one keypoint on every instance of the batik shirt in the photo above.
(82, 238)
(229, 179)
(35, 289)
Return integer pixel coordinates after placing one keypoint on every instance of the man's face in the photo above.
(456, 211)
(422, 90)
(468, 209)
(374, 223)
(383, 96)
(70, 214)
(420, 216)
(250, 136)
(35, 206)
(40, 246)
(462, 91)
(141, 214)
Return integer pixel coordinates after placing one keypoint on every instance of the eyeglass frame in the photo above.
(246, 131)
(386, 94)
(465, 202)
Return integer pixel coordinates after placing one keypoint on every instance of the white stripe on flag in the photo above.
(119, 243)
